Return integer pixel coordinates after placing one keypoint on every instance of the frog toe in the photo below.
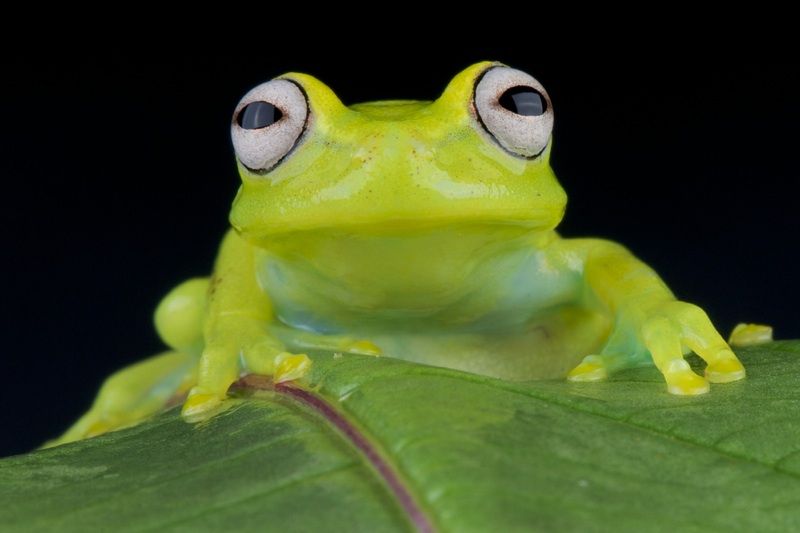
(199, 403)
(290, 367)
(725, 371)
(750, 334)
(364, 347)
(592, 368)
(686, 383)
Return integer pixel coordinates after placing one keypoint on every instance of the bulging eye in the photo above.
(268, 123)
(515, 110)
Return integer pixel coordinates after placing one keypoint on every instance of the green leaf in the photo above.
(467, 453)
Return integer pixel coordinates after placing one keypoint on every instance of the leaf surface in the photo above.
(384, 445)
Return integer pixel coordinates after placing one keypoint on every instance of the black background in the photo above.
(117, 175)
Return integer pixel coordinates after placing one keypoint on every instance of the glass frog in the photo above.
(413, 229)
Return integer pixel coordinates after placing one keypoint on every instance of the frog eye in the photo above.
(514, 109)
(268, 123)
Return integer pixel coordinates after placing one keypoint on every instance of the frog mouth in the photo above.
(401, 228)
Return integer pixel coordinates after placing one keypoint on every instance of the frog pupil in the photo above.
(524, 101)
(259, 115)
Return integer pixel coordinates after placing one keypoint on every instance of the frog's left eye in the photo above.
(514, 109)
(268, 123)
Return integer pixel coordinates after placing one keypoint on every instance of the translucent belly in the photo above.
(545, 347)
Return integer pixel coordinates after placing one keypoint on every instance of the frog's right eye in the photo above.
(268, 123)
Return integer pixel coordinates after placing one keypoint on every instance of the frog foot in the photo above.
(284, 366)
(592, 368)
(676, 325)
(202, 403)
(750, 334)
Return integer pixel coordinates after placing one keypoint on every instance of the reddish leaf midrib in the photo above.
(353, 435)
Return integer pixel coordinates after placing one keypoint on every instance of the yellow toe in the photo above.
(686, 383)
(750, 335)
(364, 347)
(289, 367)
(591, 369)
(725, 371)
(199, 403)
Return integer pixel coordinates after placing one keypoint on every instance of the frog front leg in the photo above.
(648, 321)
(235, 331)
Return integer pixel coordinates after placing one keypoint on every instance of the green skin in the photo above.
(404, 228)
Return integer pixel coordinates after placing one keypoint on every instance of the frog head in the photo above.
(476, 156)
